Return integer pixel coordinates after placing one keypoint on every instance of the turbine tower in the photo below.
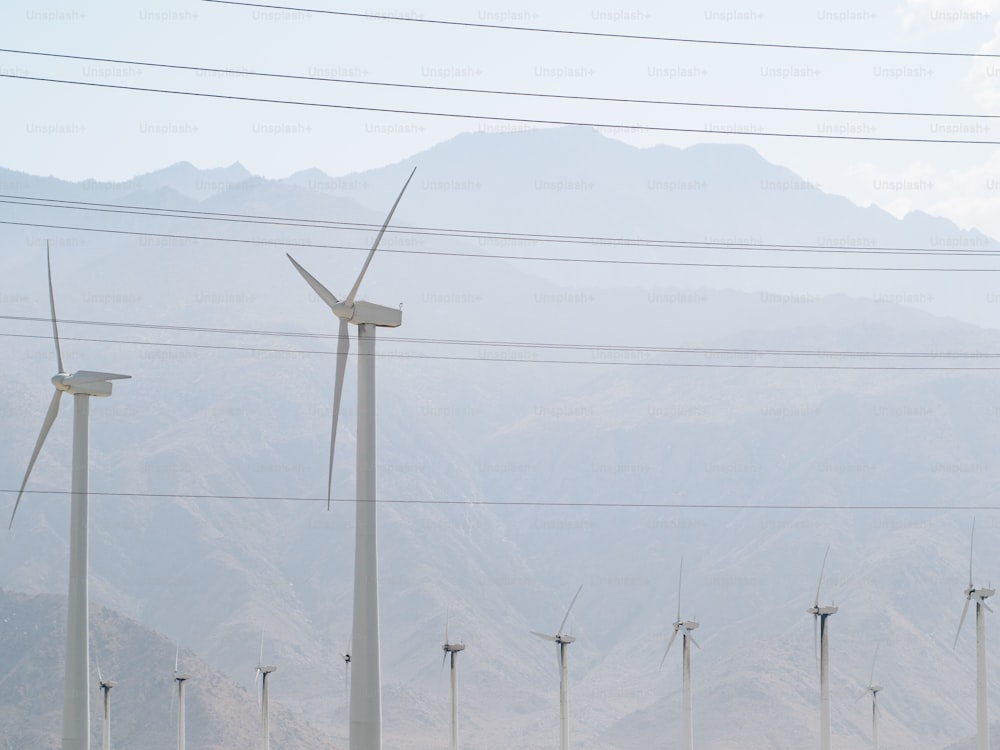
(685, 628)
(563, 641)
(979, 596)
(106, 686)
(366, 687)
(262, 672)
(820, 615)
(450, 649)
(874, 690)
(180, 678)
(82, 385)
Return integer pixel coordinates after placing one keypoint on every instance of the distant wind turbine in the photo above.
(874, 690)
(685, 628)
(366, 687)
(82, 385)
(106, 686)
(180, 678)
(262, 673)
(563, 641)
(820, 615)
(979, 596)
(451, 649)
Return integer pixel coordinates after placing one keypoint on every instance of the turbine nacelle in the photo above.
(979, 595)
(369, 313)
(823, 611)
(453, 647)
(86, 382)
(181, 676)
(685, 625)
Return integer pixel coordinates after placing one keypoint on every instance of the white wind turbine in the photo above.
(106, 686)
(262, 673)
(685, 628)
(366, 687)
(979, 596)
(874, 690)
(180, 678)
(450, 649)
(82, 385)
(563, 641)
(820, 615)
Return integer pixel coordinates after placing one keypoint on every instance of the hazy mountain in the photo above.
(219, 714)
(181, 547)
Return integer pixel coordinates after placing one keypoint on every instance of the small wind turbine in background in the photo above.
(106, 686)
(262, 673)
(451, 649)
(366, 685)
(563, 641)
(180, 678)
(874, 690)
(820, 615)
(82, 385)
(979, 596)
(685, 628)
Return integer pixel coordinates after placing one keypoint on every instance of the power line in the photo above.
(496, 256)
(521, 344)
(610, 360)
(173, 213)
(524, 503)
(504, 92)
(507, 119)
(604, 34)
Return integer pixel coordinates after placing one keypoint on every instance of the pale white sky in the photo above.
(78, 132)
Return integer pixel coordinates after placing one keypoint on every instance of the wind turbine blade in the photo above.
(965, 611)
(822, 568)
(343, 347)
(177, 658)
(669, 644)
(354, 289)
(568, 610)
(988, 607)
(447, 614)
(100, 678)
(544, 636)
(325, 294)
(691, 638)
(50, 417)
(52, 309)
(680, 580)
(972, 540)
(260, 658)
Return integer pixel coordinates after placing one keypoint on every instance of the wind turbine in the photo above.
(366, 687)
(979, 596)
(820, 615)
(685, 628)
(180, 678)
(874, 690)
(563, 641)
(82, 385)
(450, 649)
(106, 686)
(262, 673)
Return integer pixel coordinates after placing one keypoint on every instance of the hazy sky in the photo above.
(77, 132)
